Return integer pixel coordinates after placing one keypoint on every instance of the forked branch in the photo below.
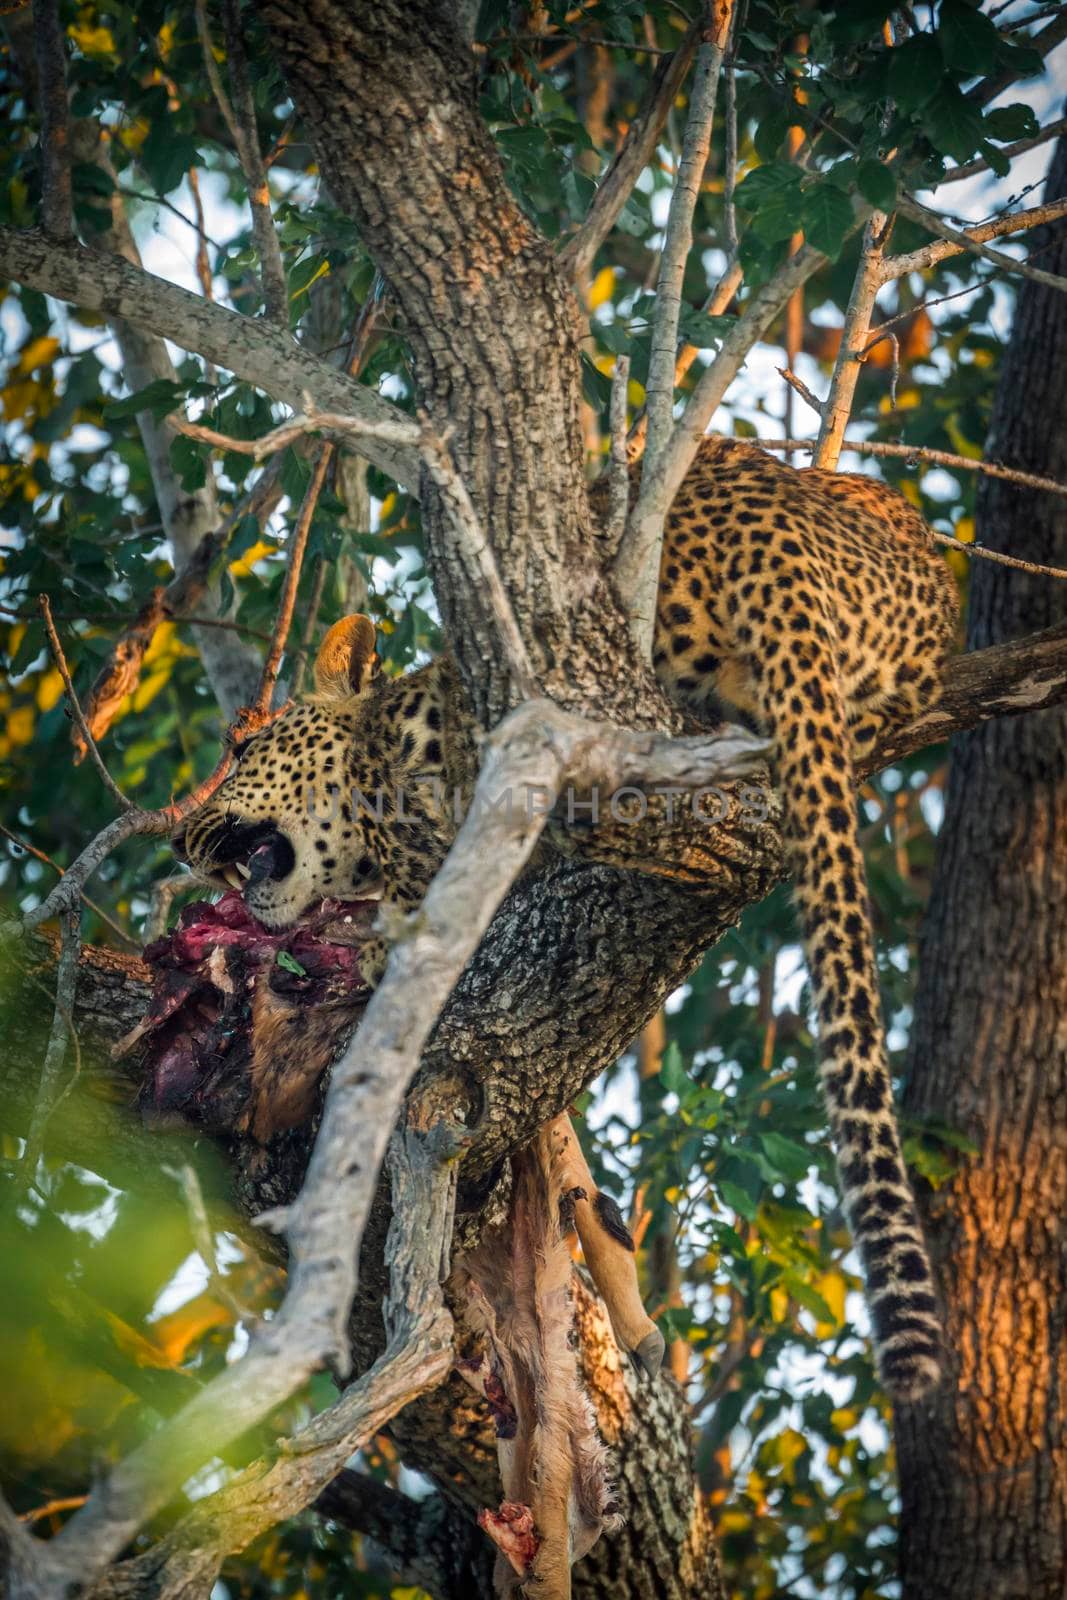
(533, 752)
(631, 159)
(637, 561)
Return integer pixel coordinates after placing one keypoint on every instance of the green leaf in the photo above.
(615, 336)
(776, 218)
(877, 184)
(772, 179)
(916, 71)
(305, 273)
(998, 161)
(1010, 122)
(809, 1298)
(953, 123)
(858, 20)
(188, 462)
(826, 218)
(738, 1199)
(290, 963)
(633, 219)
(167, 156)
(790, 1159)
(771, 131)
(968, 39)
(672, 1071)
(596, 387)
(702, 330)
(160, 397)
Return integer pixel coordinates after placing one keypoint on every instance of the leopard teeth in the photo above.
(233, 878)
(246, 872)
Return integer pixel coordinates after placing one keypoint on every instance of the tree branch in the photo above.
(534, 750)
(253, 350)
(472, 547)
(123, 802)
(297, 544)
(418, 1356)
(971, 168)
(57, 216)
(837, 407)
(919, 453)
(1025, 675)
(955, 242)
(186, 516)
(637, 561)
(971, 240)
(246, 138)
(630, 160)
(758, 315)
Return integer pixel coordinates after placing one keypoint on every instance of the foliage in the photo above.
(727, 1140)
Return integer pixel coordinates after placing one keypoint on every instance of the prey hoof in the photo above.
(648, 1357)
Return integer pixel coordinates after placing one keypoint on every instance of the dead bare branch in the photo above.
(630, 160)
(972, 240)
(971, 168)
(800, 387)
(122, 801)
(48, 861)
(252, 349)
(637, 560)
(297, 544)
(854, 335)
(931, 457)
(272, 269)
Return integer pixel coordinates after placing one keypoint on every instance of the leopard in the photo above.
(815, 606)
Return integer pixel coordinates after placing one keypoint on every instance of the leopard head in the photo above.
(334, 799)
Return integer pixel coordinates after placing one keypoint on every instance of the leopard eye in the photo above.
(241, 750)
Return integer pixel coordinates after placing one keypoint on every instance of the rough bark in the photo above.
(984, 1466)
(493, 327)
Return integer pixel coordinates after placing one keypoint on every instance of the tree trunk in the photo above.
(984, 1466)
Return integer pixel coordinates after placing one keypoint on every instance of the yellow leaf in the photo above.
(149, 687)
(162, 641)
(907, 400)
(831, 1286)
(960, 443)
(323, 269)
(49, 689)
(779, 1303)
(734, 1522)
(242, 568)
(20, 725)
(844, 1418)
(788, 1449)
(92, 41)
(177, 1333)
(964, 529)
(38, 353)
(166, 39)
(601, 287)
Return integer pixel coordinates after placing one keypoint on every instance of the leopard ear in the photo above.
(346, 664)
